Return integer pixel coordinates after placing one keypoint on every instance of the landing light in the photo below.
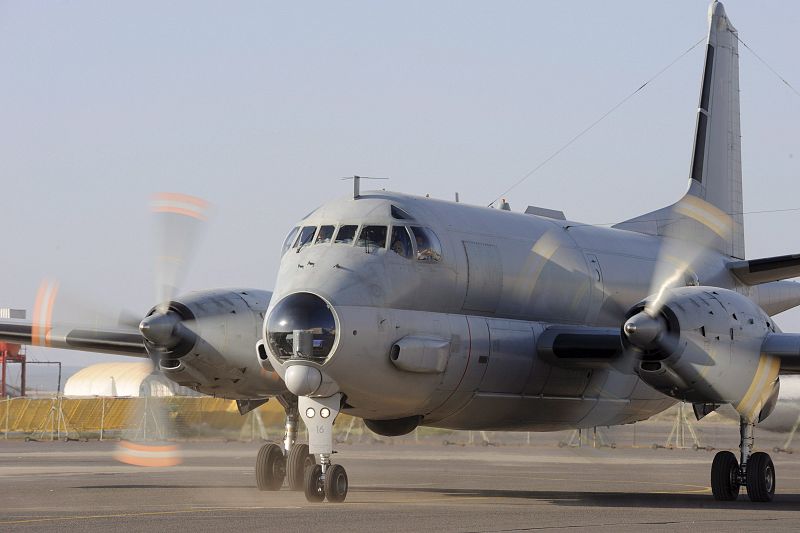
(324, 412)
(310, 412)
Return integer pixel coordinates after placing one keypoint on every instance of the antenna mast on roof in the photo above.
(357, 184)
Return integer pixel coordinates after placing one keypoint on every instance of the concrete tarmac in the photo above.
(406, 486)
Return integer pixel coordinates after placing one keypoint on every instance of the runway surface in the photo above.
(407, 486)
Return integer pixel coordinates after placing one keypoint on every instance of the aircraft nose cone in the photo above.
(302, 380)
(159, 328)
(643, 330)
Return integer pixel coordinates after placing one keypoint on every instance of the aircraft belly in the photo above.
(511, 355)
(509, 412)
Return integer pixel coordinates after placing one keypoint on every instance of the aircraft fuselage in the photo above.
(495, 281)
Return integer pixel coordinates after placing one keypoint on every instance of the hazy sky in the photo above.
(260, 107)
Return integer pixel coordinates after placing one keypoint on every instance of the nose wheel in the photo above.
(323, 480)
(756, 471)
(332, 484)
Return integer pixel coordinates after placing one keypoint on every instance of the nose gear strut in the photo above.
(325, 480)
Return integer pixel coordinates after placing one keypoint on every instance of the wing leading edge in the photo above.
(119, 342)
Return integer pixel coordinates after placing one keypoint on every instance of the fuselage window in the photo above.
(287, 243)
(372, 237)
(346, 234)
(400, 242)
(325, 235)
(306, 234)
(428, 247)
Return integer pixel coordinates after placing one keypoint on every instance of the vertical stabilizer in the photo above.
(711, 211)
(716, 168)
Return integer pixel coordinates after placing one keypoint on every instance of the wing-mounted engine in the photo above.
(704, 345)
(205, 340)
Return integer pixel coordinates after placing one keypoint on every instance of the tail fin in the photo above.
(712, 206)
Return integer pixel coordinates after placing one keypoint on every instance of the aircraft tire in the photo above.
(760, 478)
(270, 467)
(336, 484)
(312, 484)
(724, 476)
(299, 459)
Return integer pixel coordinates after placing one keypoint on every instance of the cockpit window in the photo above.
(346, 234)
(399, 214)
(372, 237)
(325, 235)
(400, 243)
(287, 242)
(306, 234)
(428, 247)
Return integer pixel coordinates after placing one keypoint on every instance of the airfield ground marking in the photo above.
(72, 518)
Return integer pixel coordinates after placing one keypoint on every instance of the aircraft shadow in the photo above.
(163, 486)
(782, 501)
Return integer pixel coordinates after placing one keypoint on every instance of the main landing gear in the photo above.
(754, 470)
(324, 480)
(274, 464)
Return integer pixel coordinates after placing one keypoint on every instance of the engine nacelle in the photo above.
(703, 345)
(218, 331)
(395, 427)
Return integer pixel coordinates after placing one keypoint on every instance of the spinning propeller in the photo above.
(165, 329)
(179, 224)
(690, 228)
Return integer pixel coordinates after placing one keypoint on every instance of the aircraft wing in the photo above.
(120, 342)
(580, 346)
(787, 347)
(592, 347)
(758, 271)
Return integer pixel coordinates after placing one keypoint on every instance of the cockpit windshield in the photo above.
(289, 240)
(346, 234)
(306, 234)
(400, 243)
(410, 242)
(372, 237)
(325, 235)
(428, 247)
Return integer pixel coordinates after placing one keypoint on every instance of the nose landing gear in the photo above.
(324, 480)
(754, 470)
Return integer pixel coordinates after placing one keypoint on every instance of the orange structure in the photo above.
(11, 353)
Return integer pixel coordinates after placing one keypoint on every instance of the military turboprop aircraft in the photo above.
(410, 311)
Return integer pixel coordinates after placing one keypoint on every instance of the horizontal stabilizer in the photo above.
(758, 271)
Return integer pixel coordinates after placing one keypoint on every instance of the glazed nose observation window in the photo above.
(428, 247)
(372, 237)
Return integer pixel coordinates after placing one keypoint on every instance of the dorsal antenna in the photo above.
(357, 184)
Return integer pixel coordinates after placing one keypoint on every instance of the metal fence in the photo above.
(145, 418)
